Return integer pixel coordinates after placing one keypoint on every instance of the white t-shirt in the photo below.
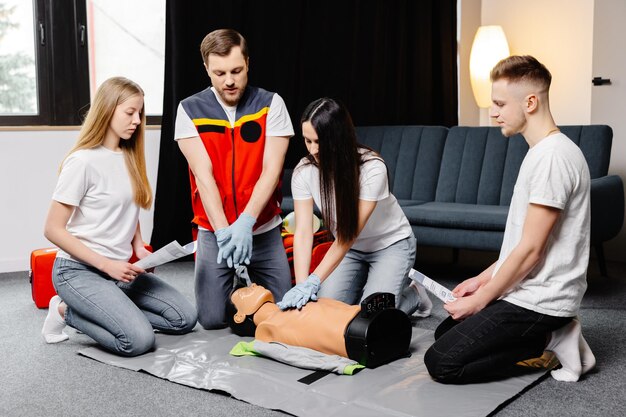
(278, 124)
(387, 224)
(554, 173)
(96, 182)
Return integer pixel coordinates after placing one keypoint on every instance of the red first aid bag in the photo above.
(41, 263)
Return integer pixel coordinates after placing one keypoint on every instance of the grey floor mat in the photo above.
(403, 388)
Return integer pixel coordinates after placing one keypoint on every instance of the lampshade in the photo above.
(489, 47)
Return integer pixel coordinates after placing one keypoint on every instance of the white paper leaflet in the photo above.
(166, 254)
(434, 287)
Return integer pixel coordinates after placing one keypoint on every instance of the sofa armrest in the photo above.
(607, 208)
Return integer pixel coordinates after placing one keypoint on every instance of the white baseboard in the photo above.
(14, 265)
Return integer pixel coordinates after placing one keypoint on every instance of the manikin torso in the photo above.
(319, 325)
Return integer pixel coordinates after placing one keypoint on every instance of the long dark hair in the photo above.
(340, 161)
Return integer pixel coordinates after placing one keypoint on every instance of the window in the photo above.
(120, 43)
(54, 54)
(18, 75)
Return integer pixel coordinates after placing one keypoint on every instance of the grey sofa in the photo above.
(455, 185)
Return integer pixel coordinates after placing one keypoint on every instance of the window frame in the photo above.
(41, 66)
(62, 66)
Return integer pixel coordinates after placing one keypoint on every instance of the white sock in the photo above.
(425, 305)
(566, 343)
(587, 358)
(52, 330)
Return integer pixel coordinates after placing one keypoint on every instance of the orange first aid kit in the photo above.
(41, 263)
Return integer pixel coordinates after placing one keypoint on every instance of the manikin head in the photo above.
(244, 303)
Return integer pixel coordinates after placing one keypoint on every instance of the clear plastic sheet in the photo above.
(402, 388)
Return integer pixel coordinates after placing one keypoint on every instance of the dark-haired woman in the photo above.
(374, 247)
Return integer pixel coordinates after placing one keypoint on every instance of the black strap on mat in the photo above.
(312, 377)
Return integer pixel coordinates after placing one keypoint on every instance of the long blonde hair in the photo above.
(109, 95)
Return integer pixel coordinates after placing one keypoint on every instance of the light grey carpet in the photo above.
(41, 379)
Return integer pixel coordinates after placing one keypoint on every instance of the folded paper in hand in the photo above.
(166, 254)
(434, 287)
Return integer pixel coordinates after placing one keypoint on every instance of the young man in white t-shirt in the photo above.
(234, 138)
(528, 300)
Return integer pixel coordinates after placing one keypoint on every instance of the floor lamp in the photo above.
(489, 47)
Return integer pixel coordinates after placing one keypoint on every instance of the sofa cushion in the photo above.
(458, 216)
(479, 166)
(412, 155)
(286, 206)
(408, 203)
(595, 141)
(458, 238)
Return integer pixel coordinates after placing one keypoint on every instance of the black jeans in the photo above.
(487, 345)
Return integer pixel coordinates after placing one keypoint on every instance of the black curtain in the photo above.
(391, 62)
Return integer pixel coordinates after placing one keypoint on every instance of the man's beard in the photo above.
(233, 101)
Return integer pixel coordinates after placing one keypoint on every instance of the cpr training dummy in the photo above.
(322, 334)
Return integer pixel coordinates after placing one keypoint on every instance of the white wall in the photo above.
(469, 12)
(559, 33)
(28, 171)
(607, 101)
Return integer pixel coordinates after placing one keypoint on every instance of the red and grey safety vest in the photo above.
(236, 152)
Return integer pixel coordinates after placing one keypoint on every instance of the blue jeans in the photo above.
(120, 316)
(214, 282)
(487, 345)
(361, 274)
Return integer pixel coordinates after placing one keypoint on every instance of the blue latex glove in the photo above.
(224, 250)
(301, 293)
(241, 239)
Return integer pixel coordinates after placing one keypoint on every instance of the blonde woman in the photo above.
(94, 220)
